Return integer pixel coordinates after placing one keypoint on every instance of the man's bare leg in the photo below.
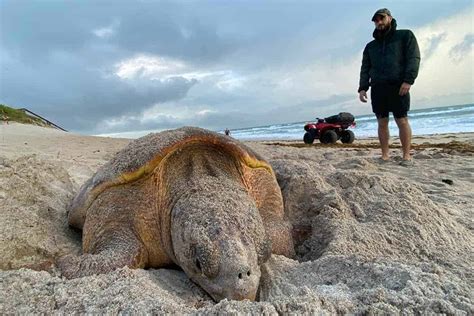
(405, 136)
(384, 136)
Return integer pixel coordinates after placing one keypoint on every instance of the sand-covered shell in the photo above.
(142, 156)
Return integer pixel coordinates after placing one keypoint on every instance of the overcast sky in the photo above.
(98, 67)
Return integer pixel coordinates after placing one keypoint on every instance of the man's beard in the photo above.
(383, 27)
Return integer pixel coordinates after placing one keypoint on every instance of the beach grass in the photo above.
(10, 114)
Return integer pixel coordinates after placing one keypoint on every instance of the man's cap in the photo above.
(383, 12)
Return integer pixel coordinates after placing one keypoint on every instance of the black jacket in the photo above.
(392, 57)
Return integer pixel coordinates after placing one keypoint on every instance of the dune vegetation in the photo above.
(9, 114)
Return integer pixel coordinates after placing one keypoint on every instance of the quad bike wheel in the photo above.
(347, 137)
(309, 136)
(329, 137)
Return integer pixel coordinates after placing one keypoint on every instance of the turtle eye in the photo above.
(206, 260)
(198, 265)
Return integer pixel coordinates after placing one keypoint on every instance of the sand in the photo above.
(371, 236)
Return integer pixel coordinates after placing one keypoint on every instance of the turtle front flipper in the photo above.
(110, 238)
(116, 254)
(262, 185)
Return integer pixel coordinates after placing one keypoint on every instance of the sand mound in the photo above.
(361, 213)
(34, 194)
(371, 237)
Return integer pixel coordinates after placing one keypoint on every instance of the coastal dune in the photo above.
(370, 236)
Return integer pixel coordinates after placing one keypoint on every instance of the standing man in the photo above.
(390, 66)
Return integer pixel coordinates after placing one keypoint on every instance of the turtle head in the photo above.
(220, 242)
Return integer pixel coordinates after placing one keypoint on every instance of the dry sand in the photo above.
(372, 237)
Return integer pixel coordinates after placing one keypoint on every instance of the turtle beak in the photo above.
(237, 284)
(237, 294)
(237, 297)
(240, 295)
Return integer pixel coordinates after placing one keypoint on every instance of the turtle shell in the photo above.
(142, 156)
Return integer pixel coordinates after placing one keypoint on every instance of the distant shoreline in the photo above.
(464, 136)
(415, 138)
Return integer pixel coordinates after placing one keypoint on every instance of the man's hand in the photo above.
(404, 89)
(363, 96)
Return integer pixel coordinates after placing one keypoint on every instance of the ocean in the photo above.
(448, 119)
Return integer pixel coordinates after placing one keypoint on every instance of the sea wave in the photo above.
(450, 119)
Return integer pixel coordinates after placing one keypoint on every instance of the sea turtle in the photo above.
(189, 197)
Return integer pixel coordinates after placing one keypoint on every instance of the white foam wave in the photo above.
(453, 119)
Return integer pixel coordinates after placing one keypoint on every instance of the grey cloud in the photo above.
(136, 124)
(258, 114)
(315, 108)
(440, 100)
(433, 44)
(76, 97)
(229, 117)
(213, 121)
(142, 27)
(458, 52)
(193, 41)
(53, 63)
(58, 67)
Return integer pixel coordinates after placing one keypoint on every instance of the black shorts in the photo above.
(385, 99)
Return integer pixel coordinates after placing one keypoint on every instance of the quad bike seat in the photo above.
(341, 118)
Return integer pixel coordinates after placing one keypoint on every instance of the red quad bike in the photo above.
(330, 129)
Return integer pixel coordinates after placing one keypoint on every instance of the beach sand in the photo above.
(371, 236)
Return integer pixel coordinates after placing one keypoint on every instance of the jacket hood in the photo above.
(385, 34)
